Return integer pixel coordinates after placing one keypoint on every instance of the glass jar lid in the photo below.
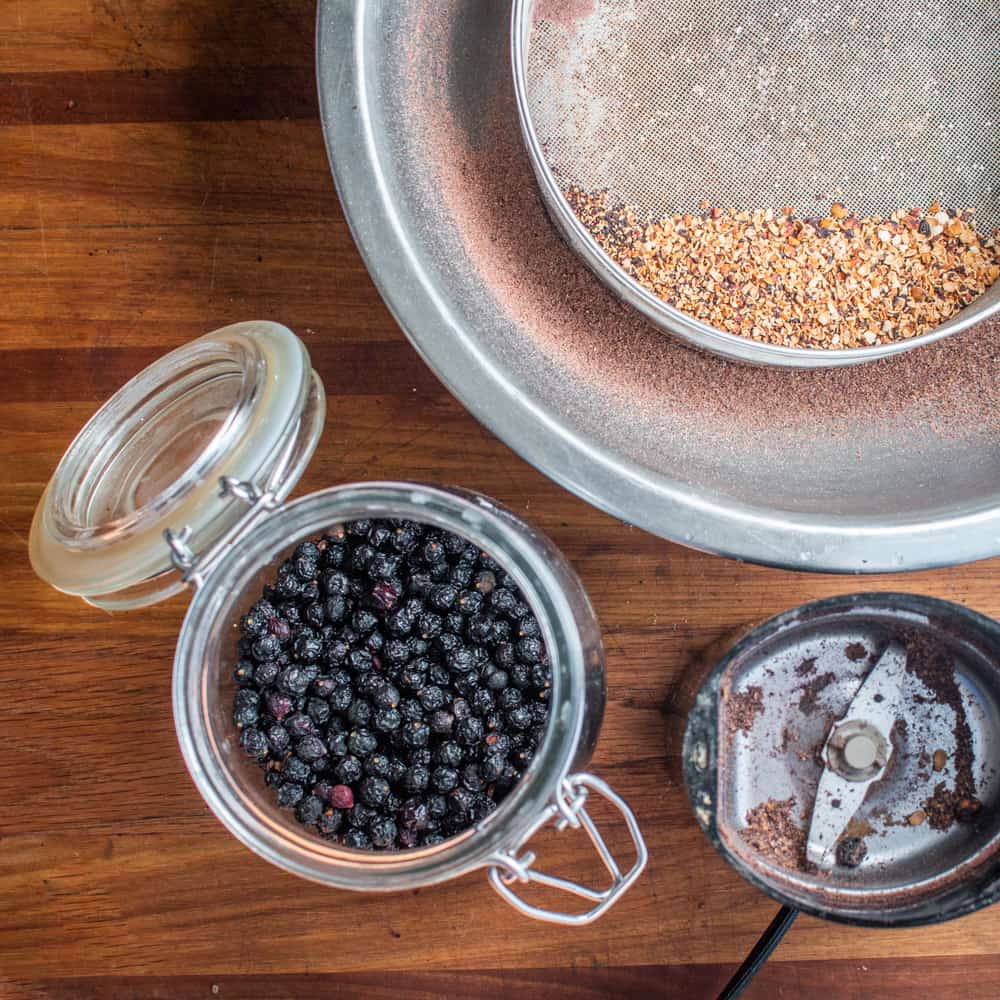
(241, 403)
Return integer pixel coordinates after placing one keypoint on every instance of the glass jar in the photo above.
(131, 516)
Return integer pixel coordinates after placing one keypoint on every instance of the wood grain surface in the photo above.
(163, 173)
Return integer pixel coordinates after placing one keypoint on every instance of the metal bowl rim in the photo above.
(710, 522)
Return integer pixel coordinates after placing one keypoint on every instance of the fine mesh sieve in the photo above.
(669, 104)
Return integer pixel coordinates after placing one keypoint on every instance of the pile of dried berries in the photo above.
(393, 684)
(836, 282)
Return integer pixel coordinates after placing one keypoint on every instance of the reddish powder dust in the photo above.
(742, 709)
(935, 667)
(806, 667)
(809, 700)
(772, 833)
(564, 12)
(614, 358)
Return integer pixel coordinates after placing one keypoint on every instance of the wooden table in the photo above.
(163, 173)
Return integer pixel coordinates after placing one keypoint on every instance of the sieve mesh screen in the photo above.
(762, 104)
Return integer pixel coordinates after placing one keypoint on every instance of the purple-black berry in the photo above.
(392, 683)
(341, 797)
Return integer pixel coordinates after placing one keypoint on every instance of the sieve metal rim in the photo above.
(668, 318)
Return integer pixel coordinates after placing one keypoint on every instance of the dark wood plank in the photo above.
(973, 978)
(44, 36)
(152, 95)
(348, 369)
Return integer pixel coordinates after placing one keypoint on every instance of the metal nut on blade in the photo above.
(857, 750)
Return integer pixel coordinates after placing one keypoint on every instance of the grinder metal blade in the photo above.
(825, 693)
(856, 755)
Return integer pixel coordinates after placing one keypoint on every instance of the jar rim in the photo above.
(482, 522)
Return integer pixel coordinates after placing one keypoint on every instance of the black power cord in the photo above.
(760, 953)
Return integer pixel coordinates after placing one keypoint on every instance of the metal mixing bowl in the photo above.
(840, 470)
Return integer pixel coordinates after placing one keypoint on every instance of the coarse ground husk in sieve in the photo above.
(755, 105)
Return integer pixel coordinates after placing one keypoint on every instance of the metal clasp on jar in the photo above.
(194, 567)
(569, 810)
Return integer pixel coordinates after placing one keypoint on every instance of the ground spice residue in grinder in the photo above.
(909, 816)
